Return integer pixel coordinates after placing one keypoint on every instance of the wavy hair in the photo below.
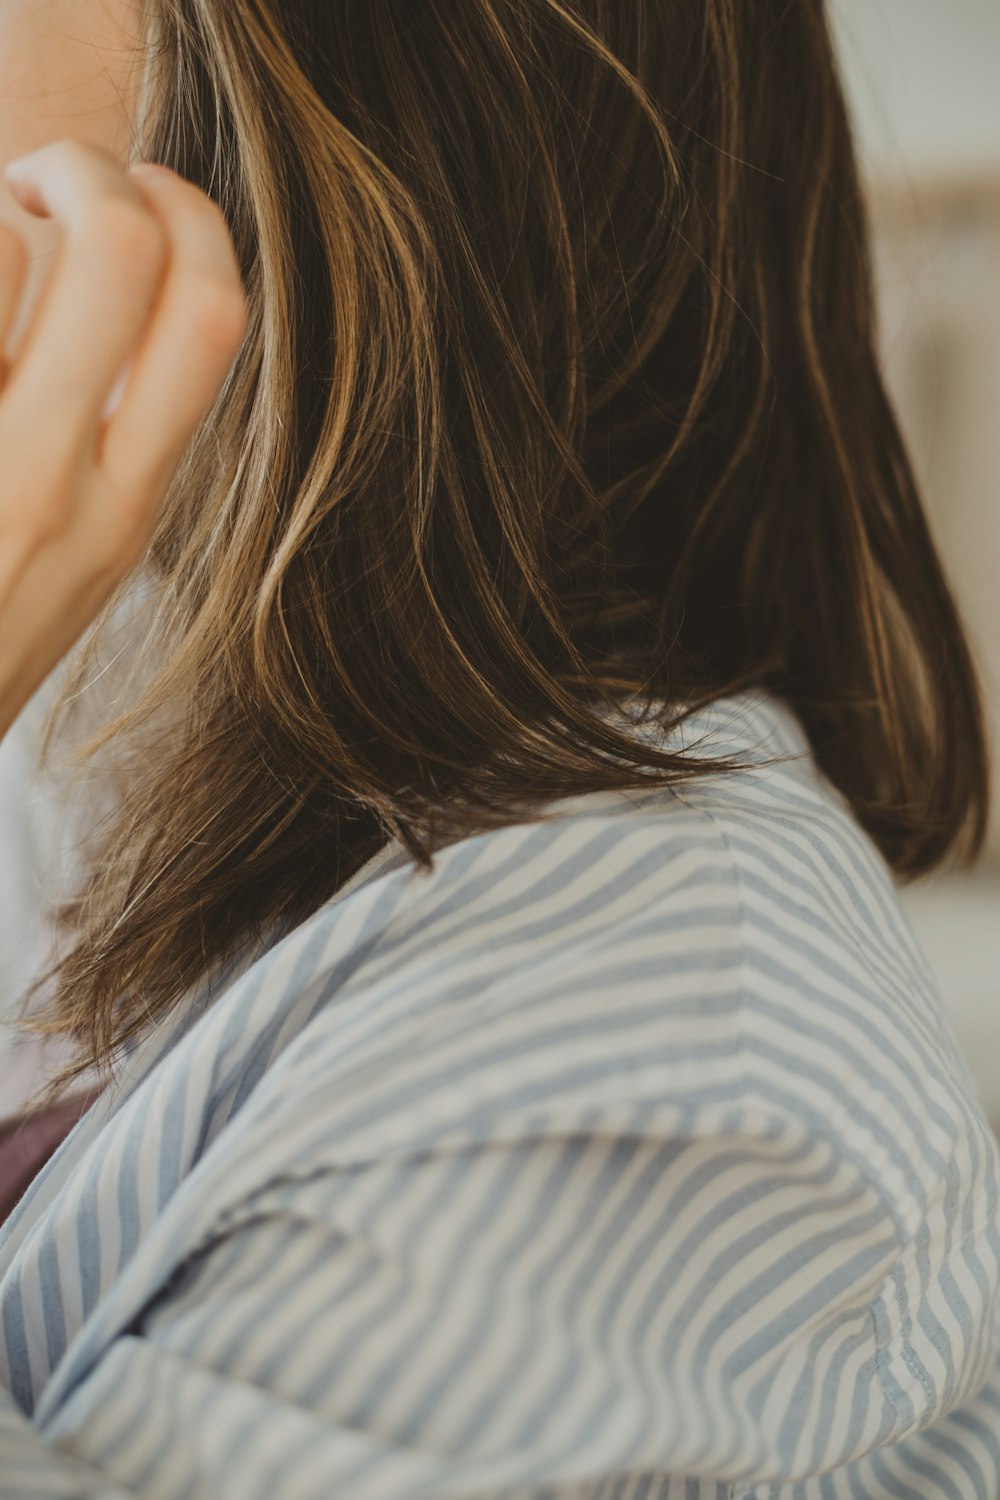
(559, 388)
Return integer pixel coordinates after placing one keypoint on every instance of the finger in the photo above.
(196, 330)
(101, 293)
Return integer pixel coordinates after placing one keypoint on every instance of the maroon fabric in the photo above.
(27, 1142)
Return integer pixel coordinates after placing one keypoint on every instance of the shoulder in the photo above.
(592, 956)
(736, 940)
(624, 1083)
(840, 1013)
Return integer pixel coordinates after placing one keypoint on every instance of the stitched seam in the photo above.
(906, 1240)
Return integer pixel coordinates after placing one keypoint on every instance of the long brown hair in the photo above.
(559, 387)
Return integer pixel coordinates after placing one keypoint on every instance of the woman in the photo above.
(519, 1076)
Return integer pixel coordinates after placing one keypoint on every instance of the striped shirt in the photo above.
(624, 1156)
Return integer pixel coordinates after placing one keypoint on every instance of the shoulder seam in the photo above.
(818, 1132)
(880, 1322)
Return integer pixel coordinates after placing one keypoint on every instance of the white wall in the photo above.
(923, 77)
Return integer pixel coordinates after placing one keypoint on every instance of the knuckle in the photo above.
(218, 315)
(127, 232)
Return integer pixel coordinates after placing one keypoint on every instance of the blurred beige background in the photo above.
(922, 76)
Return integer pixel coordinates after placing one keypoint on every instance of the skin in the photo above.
(121, 311)
(68, 69)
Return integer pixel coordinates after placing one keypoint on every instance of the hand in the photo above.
(145, 307)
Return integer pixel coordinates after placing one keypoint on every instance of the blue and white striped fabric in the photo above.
(625, 1155)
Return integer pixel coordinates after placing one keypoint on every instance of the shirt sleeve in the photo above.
(549, 1307)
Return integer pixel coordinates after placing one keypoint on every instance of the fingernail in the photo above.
(20, 164)
(153, 169)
